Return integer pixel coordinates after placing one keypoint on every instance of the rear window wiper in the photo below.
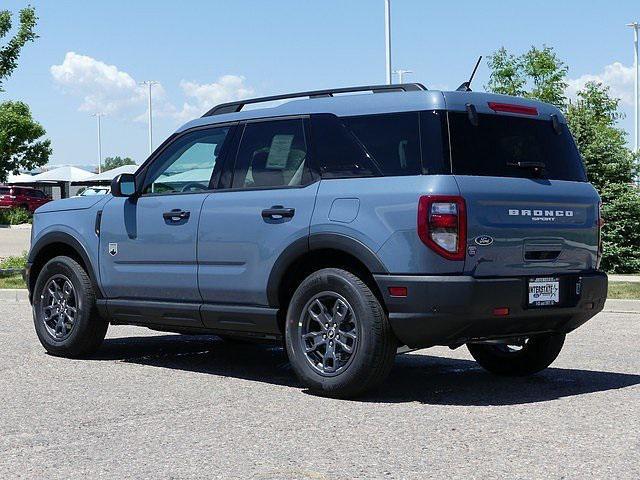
(531, 165)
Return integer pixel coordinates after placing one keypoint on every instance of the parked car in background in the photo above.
(22, 197)
(92, 191)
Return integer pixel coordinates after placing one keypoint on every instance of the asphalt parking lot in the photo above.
(14, 241)
(154, 405)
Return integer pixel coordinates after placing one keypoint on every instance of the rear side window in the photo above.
(391, 140)
(338, 152)
(272, 154)
(393, 144)
(502, 146)
(4, 191)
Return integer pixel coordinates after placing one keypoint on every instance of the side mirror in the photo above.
(124, 185)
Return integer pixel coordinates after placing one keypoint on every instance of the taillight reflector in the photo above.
(512, 108)
(442, 225)
(600, 225)
(398, 291)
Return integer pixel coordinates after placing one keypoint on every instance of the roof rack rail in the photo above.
(233, 107)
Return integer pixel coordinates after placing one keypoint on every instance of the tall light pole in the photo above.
(636, 123)
(150, 84)
(387, 37)
(401, 73)
(98, 117)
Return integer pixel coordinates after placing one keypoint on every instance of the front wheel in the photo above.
(520, 358)
(64, 310)
(338, 338)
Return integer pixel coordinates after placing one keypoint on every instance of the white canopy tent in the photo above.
(61, 177)
(20, 178)
(66, 174)
(106, 177)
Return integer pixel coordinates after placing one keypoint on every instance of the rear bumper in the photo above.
(452, 310)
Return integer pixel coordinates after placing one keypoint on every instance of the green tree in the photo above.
(611, 168)
(507, 77)
(115, 162)
(21, 145)
(538, 73)
(10, 53)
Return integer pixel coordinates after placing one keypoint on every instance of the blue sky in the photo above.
(91, 55)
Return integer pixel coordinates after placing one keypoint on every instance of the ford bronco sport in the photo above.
(352, 227)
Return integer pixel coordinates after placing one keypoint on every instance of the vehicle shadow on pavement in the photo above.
(423, 378)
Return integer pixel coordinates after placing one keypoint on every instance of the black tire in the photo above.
(373, 354)
(88, 329)
(537, 354)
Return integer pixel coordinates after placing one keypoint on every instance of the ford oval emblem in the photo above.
(484, 240)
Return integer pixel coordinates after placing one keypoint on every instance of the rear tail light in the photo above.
(442, 225)
(600, 225)
(513, 108)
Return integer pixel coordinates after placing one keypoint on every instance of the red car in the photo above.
(22, 197)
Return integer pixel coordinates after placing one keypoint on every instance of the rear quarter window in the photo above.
(392, 141)
(394, 144)
(499, 143)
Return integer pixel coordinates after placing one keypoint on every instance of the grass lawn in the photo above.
(12, 281)
(625, 290)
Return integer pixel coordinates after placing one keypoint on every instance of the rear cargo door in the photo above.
(530, 210)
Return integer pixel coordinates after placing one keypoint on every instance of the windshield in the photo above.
(87, 192)
(509, 146)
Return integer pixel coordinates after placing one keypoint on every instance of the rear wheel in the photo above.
(520, 358)
(338, 337)
(64, 310)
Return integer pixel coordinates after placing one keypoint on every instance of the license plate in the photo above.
(544, 291)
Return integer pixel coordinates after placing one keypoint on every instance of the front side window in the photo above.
(272, 154)
(187, 164)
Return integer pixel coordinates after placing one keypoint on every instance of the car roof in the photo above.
(377, 103)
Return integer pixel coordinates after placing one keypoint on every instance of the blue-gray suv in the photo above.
(351, 223)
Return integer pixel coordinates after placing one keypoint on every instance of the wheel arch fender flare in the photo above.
(59, 238)
(320, 241)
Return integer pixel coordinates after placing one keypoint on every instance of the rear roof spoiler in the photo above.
(233, 107)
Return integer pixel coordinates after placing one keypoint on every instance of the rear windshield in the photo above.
(4, 190)
(507, 146)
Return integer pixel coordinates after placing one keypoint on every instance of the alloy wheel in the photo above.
(59, 307)
(328, 333)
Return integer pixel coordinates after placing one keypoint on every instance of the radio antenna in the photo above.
(466, 86)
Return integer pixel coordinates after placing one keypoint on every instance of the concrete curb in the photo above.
(14, 295)
(624, 278)
(613, 306)
(22, 226)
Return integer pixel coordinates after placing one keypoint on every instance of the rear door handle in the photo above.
(176, 215)
(277, 212)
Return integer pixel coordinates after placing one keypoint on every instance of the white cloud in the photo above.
(107, 89)
(617, 76)
(201, 97)
(103, 88)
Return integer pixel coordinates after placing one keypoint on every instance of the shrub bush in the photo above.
(17, 262)
(15, 216)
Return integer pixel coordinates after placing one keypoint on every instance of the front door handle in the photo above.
(176, 215)
(278, 212)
